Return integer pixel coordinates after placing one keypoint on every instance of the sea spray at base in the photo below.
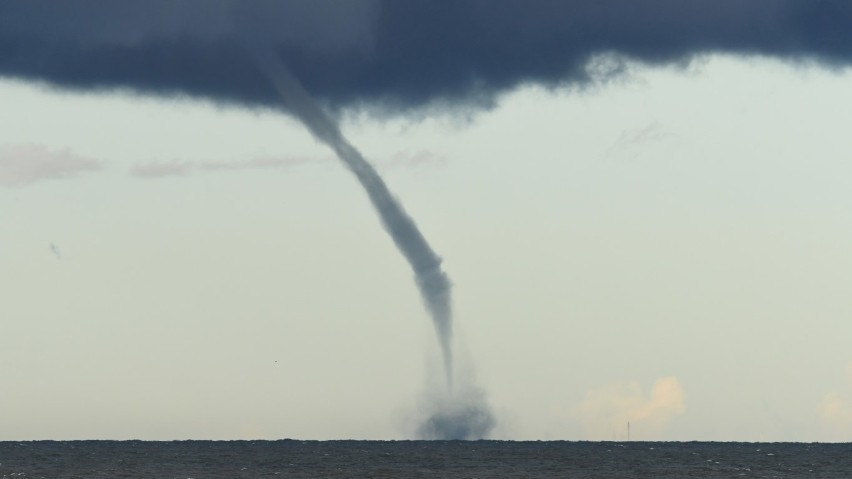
(457, 414)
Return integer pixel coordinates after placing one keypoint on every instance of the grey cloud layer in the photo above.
(393, 54)
(159, 169)
(177, 167)
(22, 164)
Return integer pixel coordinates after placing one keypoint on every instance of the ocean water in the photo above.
(405, 459)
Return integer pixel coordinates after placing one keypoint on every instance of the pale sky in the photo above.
(671, 248)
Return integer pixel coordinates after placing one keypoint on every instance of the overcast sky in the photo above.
(665, 244)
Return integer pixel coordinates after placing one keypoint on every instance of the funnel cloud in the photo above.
(433, 283)
(453, 418)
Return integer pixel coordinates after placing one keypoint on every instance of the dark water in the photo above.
(456, 459)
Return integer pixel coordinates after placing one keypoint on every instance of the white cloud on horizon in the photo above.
(835, 410)
(606, 410)
(26, 163)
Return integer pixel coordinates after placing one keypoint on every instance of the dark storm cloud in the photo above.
(393, 53)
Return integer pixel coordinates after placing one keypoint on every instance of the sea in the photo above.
(421, 459)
